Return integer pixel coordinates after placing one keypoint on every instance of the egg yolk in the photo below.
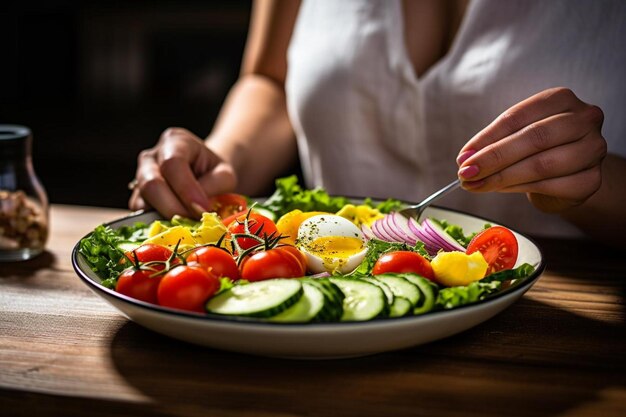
(335, 246)
(334, 251)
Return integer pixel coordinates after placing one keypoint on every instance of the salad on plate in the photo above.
(304, 256)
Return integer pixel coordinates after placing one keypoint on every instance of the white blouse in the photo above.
(368, 126)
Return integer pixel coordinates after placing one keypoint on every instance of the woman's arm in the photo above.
(252, 141)
(253, 131)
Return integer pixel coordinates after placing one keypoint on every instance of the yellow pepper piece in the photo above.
(211, 229)
(458, 268)
(170, 237)
(156, 227)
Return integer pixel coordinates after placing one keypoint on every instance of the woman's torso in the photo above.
(367, 125)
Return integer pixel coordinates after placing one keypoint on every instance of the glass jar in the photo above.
(23, 200)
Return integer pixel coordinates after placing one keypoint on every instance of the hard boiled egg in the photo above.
(331, 243)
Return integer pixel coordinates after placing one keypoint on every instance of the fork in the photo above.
(417, 210)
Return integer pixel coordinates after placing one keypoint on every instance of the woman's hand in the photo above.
(179, 174)
(549, 146)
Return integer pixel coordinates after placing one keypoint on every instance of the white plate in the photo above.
(316, 340)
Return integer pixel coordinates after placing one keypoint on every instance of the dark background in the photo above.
(97, 82)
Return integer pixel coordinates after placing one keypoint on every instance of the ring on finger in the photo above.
(133, 184)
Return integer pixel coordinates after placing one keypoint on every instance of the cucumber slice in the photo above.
(127, 246)
(401, 287)
(400, 307)
(306, 309)
(429, 292)
(363, 300)
(388, 293)
(333, 306)
(265, 212)
(257, 299)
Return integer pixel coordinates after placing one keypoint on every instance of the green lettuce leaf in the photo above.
(452, 297)
(101, 251)
(289, 195)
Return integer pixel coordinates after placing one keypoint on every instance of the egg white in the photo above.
(329, 225)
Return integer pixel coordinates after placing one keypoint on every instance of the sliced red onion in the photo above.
(443, 245)
(367, 231)
(391, 230)
(436, 229)
(379, 232)
(320, 275)
(435, 238)
(431, 246)
(422, 235)
(401, 226)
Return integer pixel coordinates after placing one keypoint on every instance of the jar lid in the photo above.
(15, 140)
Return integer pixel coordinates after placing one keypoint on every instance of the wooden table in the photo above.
(560, 351)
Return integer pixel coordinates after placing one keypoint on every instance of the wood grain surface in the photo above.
(559, 351)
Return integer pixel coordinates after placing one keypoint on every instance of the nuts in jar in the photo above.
(23, 222)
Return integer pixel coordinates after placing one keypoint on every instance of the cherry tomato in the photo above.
(297, 253)
(187, 287)
(150, 252)
(498, 246)
(257, 224)
(228, 220)
(218, 261)
(403, 262)
(273, 263)
(226, 205)
(139, 284)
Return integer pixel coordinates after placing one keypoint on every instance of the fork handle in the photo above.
(445, 190)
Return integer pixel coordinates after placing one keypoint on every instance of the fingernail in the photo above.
(468, 172)
(464, 156)
(197, 208)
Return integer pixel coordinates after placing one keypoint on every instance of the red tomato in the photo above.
(297, 253)
(218, 261)
(187, 287)
(273, 263)
(257, 224)
(499, 247)
(139, 284)
(226, 205)
(150, 252)
(403, 262)
(228, 220)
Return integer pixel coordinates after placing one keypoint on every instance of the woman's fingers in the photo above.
(556, 162)
(153, 189)
(558, 194)
(539, 146)
(538, 107)
(178, 175)
(538, 149)
(221, 179)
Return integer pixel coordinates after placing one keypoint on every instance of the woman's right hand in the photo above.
(179, 174)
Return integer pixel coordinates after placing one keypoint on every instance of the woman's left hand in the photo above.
(548, 146)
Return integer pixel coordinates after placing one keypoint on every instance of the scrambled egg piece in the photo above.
(458, 268)
(209, 230)
(361, 214)
(289, 223)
